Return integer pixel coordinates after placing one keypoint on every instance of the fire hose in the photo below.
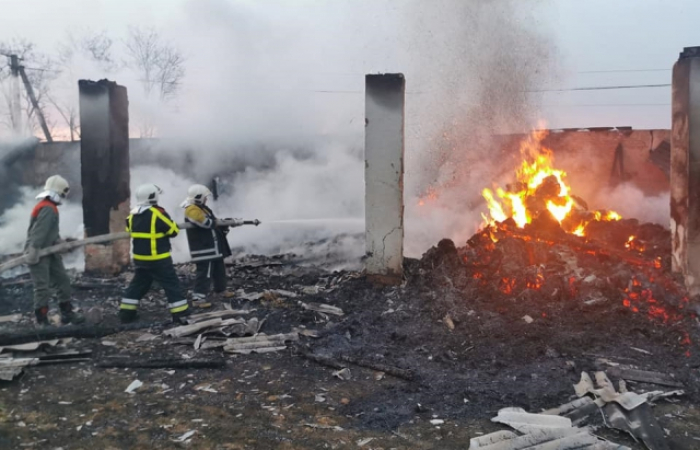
(68, 246)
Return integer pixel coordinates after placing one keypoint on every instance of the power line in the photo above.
(624, 70)
(603, 88)
(607, 105)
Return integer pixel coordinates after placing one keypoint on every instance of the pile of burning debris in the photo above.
(540, 244)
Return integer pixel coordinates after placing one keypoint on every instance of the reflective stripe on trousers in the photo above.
(129, 304)
(178, 307)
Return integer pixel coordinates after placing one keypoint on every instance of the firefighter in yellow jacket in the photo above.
(151, 229)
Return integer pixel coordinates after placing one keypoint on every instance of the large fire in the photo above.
(541, 189)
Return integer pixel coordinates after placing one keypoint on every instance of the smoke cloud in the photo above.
(273, 105)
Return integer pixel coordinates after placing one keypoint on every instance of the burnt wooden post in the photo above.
(104, 158)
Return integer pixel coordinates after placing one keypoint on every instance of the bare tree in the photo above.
(92, 46)
(41, 70)
(88, 46)
(159, 64)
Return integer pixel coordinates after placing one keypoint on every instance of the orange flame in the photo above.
(521, 200)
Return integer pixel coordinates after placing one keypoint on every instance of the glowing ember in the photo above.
(633, 244)
(540, 188)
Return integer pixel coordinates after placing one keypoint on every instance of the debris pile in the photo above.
(572, 425)
(619, 264)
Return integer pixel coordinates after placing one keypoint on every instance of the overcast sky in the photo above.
(641, 37)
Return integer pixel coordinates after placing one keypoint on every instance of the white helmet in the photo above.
(197, 194)
(148, 194)
(55, 187)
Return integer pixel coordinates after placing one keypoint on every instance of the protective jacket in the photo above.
(151, 229)
(206, 240)
(43, 225)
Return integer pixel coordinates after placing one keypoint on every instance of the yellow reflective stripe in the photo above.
(147, 235)
(152, 257)
(178, 309)
(130, 220)
(129, 307)
(154, 219)
(168, 222)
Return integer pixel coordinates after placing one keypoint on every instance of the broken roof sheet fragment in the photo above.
(640, 423)
(10, 368)
(490, 439)
(525, 422)
(543, 439)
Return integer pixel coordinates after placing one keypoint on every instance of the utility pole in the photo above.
(15, 106)
(35, 103)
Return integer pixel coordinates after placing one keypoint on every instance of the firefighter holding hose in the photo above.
(48, 271)
(207, 242)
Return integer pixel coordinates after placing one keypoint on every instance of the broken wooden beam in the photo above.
(173, 363)
(342, 362)
(380, 367)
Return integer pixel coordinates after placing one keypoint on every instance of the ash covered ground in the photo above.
(511, 318)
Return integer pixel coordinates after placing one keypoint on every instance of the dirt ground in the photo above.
(465, 368)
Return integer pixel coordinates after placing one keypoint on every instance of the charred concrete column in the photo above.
(104, 157)
(384, 152)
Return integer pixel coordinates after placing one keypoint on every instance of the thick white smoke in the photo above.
(273, 104)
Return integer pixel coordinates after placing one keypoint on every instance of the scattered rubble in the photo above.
(444, 339)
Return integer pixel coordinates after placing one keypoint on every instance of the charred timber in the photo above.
(69, 331)
(343, 361)
(175, 363)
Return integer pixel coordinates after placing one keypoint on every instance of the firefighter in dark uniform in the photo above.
(151, 229)
(208, 243)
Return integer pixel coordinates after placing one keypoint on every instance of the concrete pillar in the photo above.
(384, 152)
(104, 158)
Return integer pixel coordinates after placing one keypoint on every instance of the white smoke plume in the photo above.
(273, 104)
